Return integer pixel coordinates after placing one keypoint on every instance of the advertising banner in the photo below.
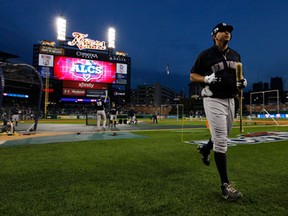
(73, 92)
(95, 93)
(51, 50)
(84, 85)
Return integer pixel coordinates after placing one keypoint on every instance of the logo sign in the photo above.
(47, 43)
(75, 69)
(87, 55)
(119, 93)
(119, 53)
(84, 85)
(253, 138)
(51, 50)
(82, 42)
(73, 92)
(86, 69)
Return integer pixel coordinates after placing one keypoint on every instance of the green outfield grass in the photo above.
(155, 175)
(180, 121)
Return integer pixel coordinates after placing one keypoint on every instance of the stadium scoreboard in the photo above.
(82, 73)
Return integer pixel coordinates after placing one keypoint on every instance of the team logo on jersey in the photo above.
(220, 66)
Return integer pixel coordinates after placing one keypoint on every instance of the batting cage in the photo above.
(20, 90)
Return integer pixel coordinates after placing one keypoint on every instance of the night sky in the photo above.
(155, 33)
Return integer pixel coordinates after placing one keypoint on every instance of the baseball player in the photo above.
(215, 68)
(113, 115)
(100, 108)
(15, 114)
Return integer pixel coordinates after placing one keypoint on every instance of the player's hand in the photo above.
(241, 83)
(211, 78)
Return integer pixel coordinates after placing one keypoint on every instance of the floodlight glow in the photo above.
(61, 28)
(111, 38)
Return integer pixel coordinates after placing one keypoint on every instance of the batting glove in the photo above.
(210, 79)
(242, 83)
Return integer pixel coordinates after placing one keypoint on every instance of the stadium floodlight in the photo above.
(61, 28)
(111, 38)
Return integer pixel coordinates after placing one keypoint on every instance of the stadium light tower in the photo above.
(61, 28)
(111, 39)
(61, 36)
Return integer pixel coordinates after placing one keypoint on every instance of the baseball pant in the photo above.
(220, 115)
(113, 117)
(15, 117)
(100, 114)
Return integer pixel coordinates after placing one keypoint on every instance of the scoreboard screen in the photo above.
(76, 69)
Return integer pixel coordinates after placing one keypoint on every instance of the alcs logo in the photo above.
(86, 71)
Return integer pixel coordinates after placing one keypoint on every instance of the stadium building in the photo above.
(154, 95)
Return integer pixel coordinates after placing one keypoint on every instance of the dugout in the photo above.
(21, 79)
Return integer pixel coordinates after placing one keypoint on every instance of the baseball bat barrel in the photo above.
(239, 76)
(239, 71)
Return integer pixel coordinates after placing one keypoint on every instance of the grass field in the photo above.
(155, 175)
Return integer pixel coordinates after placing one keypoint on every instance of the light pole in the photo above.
(61, 36)
(111, 39)
(46, 91)
(61, 28)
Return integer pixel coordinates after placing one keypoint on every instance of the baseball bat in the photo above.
(239, 76)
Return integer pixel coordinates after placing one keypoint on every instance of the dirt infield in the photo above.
(22, 132)
(50, 130)
(16, 135)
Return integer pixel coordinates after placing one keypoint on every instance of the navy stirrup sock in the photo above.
(221, 163)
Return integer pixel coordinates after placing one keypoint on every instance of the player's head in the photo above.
(221, 27)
